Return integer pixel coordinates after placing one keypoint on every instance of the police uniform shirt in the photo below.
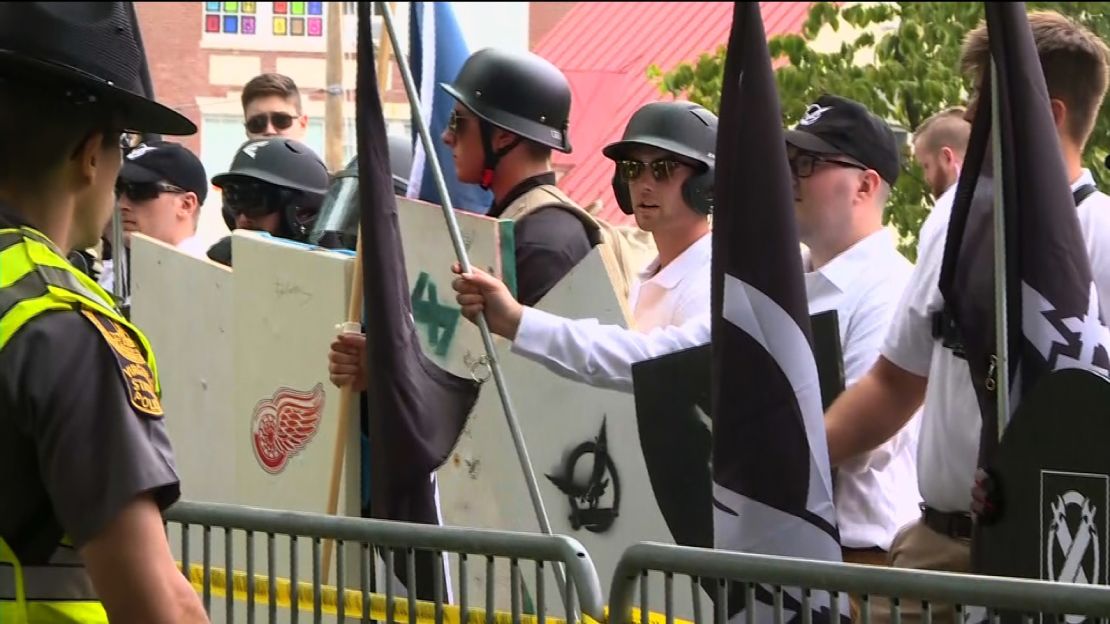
(602, 355)
(549, 242)
(676, 293)
(949, 446)
(876, 492)
(74, 450)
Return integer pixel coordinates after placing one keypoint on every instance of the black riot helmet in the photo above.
(275, 174)
(684, 129)
(338, 223)
(519, 92)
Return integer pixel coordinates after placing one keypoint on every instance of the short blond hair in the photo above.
(1074, 61)
(947, 128)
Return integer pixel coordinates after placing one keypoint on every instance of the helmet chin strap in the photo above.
(492, 156)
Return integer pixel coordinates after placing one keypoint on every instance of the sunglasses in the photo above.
(454, 122)
(661, 169)
(145, 191)
(258, 123)
(804, 164)
(253, 199)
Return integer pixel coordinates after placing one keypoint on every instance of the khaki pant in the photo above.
(874, 557)
(920, 548)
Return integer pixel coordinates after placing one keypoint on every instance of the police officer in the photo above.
(85, 462)
(275, 185)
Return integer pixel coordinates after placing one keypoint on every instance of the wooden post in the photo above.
(334, 124)
(354, 313)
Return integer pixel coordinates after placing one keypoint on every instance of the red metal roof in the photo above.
(605, 48)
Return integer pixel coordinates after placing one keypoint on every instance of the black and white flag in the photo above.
(1052, 304)
(772, 490)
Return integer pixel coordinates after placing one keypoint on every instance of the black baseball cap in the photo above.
(838, 125)
(164, 161)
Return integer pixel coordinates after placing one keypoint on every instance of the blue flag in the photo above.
(437, 53)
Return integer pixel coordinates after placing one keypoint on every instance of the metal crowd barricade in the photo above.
(975, 598)
(367, 594)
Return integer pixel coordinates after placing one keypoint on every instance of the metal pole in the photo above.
(464, 262)
(1002, 348)
(119, 258)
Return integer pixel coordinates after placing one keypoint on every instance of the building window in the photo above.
(298, 19)
(231, 17)
(281, 19)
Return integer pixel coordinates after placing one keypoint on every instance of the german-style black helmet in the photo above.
(684, 129)
(519, 92)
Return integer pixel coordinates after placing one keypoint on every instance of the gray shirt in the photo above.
(77, 445)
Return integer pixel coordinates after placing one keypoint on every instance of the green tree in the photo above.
(914, 73)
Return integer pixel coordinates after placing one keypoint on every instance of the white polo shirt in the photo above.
(677, 293)
(670, 309)
(950, 426)
(876, 492)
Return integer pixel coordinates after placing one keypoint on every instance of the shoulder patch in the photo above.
(136, 374)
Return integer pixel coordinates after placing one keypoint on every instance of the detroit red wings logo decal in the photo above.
(283, 425)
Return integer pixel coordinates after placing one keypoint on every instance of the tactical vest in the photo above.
(36, 278)
(624, 255)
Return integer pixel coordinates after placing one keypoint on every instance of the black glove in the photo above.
(221, 251)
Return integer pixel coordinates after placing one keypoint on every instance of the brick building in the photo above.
(202, 53)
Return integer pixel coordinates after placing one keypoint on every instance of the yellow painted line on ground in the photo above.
(352, 601)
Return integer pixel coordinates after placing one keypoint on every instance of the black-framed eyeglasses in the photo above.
(256, 124)
(661, 169)
(145, 191)
(804, 164)
(455, 121)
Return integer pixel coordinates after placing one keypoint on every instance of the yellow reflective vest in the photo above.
(35, 278)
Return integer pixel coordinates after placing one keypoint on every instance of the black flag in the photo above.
(416, 409)
(1052, 305)
(772, 490)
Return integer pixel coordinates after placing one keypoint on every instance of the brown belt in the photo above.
(954, 524)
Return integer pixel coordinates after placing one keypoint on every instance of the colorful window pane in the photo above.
(248, 25)
(231, 7)
(281, 7)
(315, 8)
(231, 24)
(212, 23)
(315, 26)
(212, 6)
(279, 25)
(247, 7)
(296, 26)
(297, 8)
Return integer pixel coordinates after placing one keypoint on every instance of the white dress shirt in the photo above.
(670, 310)
(876, 493)
(949, 446)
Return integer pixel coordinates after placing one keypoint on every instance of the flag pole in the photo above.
(464, 262)
(1002, 348)
(354, 307)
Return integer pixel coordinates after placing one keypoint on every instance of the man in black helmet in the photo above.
(512, 109)
(664, 173)
(86, 465)
(275, 185)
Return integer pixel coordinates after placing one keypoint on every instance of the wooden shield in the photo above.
(1052, 475)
